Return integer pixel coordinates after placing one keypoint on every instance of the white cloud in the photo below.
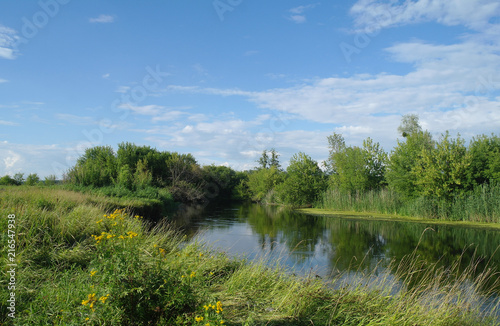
(122, 89)
(474, 14)
(8, 123)
(11, 159)
(8, 39)
(106, 76)
(41, 159)
(298, 19)
(296, 13)
(102, 19)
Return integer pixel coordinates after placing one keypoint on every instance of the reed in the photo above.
(478, 205)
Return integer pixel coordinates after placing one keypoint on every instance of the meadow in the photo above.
(88, 259)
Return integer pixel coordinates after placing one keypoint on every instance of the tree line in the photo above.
(420, 169)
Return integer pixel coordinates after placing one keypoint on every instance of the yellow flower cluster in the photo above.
(92, 300)
(217, 307)
(116, 214)
(103, 236)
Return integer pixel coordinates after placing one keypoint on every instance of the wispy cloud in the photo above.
(8, 39)
(8, 123)
(474, 14)
(296, 14)
(102, 19)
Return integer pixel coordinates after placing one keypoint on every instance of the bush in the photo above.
(32, 179)
(8, 181)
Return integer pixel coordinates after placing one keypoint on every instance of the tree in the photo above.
(8, 181)
(303, 183)
(96, 167)
(409, 125)
(125, 177)
(350, 172)
(353, 168)
(32, 179)
(336, 144)
(442, 173)
(264, 160)
(485, 160)
(376, 160)
(405, 157)
(274, 161)
(19, 178)
(50, 180)
(262, 181)
(142, 176)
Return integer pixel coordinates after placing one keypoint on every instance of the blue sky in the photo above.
(226, 79)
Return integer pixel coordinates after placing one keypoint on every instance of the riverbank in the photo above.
(80, 262)
(392, 217)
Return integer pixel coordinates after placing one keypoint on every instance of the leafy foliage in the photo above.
(303, 183)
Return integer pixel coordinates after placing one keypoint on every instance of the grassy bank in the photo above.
(82, 262)
(479, 205)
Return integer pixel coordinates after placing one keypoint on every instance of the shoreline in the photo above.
(396, 218)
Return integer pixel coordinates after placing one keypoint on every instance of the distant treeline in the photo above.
(421, 176)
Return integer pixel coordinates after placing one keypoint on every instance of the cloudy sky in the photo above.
(226, 79)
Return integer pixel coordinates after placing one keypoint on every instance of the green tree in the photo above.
(19, 178)
(303, 183)
(406, 156)
(32, 179)
(354, 168)
(96, 167)
(376, 161)
(142, 176)
(409, 125)
(264, 160)
(125, 177)
(443, 172)
(50, 180)
(350, 170)
(262, 181)
(336, 144)
(7, 180)
(269, 159)
(485, 160)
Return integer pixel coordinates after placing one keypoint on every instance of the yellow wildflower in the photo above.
(104, 298)
(193, 274)
(198, 318)
(92, 273)
(162, 251)
(131, 234)
(219, 307)
(98, 221)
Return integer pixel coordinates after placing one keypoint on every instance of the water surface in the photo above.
(326, 246)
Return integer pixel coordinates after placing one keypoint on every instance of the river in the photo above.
(328, 246)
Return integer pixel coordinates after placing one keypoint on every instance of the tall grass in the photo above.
(82, 264)
(479, 205)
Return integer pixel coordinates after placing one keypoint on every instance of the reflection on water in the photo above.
(326, 246)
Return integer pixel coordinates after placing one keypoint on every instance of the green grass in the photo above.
(82, 263)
